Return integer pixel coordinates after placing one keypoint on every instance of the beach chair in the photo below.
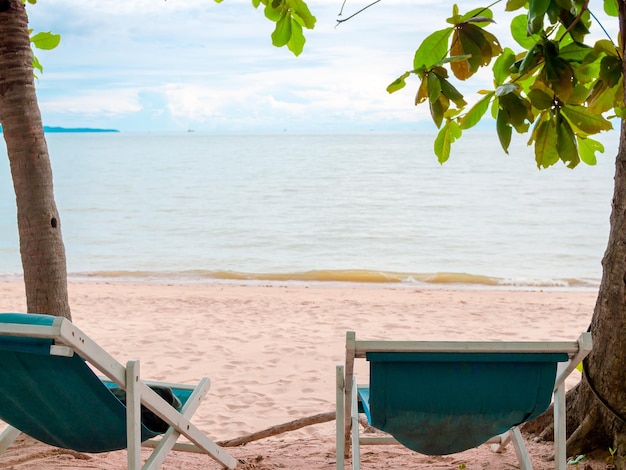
(440, 398)
(50, 390)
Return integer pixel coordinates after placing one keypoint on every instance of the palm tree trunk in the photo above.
(39, 225)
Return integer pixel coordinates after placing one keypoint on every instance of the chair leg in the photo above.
(133, 415)
(520, 449)
(340, 418)
(180, 423)
(560, 457)
(7, 437)
(501, 441)
(167, 442)
(354, 427)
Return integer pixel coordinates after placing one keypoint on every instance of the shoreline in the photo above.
(166, 279)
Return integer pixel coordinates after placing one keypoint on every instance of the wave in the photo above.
(359, 276)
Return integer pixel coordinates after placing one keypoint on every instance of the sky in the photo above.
(178, 65)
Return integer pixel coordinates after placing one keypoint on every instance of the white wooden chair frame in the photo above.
(347, 402)
(68, 339)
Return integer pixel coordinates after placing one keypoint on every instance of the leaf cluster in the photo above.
(43, 41)
(290, 17)
(557, 87)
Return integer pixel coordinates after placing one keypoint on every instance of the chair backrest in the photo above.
(441, 397)
(58, 400)
(439, 403)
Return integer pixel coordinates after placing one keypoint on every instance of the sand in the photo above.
(271, 350)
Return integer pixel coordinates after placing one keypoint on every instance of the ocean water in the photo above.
(366, 207)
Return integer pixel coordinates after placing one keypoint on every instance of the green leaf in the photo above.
(455, 18)
(444, 140)
(536, 11)
(611, 7)
(540, 99)
(282, 33)
(575, 52)
(530, 60)
(512, 5)
(451, 92)
(273, 13)
(502, 65)
(432, 49)
(434, 86)
(606, 46)
(45, 41)
(603, 98)
(610, 70)
(588, 72)
(587, 148)
(519, 32)
(300, 10)
(438, 108)
(517, 109)
(399, 83)
(579, 95)
(504, 130)
(475, 114)
(566, 144)
(297, 40)
(545, 151)
(583, 120)
(37, 64)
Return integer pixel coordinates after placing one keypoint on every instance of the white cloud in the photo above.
(111, 104)
(182, 62)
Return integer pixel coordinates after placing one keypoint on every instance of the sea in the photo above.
(365, 207)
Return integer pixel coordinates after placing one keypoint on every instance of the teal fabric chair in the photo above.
(49, 391)
(440, 398)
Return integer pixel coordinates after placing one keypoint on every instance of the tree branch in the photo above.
(279, 429)
(354, 14)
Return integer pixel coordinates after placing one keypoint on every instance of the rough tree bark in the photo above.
(39, 225)
(597, 406)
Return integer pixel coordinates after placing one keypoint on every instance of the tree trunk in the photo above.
(39, 226)
(596, 407)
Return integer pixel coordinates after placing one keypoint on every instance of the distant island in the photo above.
(76, 129)
(72, 129)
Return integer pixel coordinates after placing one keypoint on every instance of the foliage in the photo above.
(43, 41)
(611, 458)
(558, 88)
(577, 460)
(290, 17)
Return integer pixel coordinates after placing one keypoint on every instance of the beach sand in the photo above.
(271, 350)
